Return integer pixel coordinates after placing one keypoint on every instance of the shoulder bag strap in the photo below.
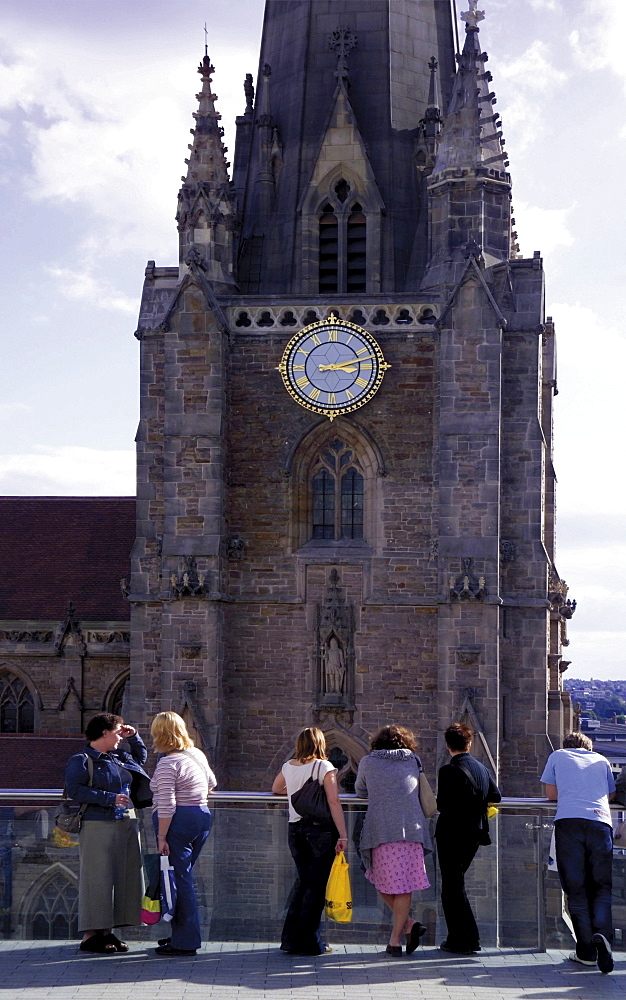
(90, 784)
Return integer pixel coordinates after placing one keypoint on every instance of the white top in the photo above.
(183, 779)
(583, 781)
(295, 776)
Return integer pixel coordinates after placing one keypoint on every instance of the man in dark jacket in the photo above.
(464, 790)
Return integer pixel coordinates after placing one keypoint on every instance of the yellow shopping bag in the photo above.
(338, 891)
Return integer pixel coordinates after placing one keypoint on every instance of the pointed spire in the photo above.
(432, 121)
(207, 162)
(471, 136)
(205, 210)
(469, 188)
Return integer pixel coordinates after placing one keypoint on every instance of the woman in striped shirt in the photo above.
(181, 784)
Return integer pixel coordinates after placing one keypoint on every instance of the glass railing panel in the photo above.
(245, 875)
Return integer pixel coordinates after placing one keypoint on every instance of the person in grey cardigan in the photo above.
(395, 834)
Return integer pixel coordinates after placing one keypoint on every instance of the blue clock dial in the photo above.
(332, 366)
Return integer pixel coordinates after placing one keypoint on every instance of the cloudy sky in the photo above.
(95, 109)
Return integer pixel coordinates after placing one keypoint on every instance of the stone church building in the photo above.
(345, 490)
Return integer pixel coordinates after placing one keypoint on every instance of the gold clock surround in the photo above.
(332, 367)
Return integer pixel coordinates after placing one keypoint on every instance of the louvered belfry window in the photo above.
(329, 250)
(342, 244)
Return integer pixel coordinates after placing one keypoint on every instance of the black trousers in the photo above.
(454, 861)
(312, 847)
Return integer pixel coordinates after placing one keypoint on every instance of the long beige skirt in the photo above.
(111, 883)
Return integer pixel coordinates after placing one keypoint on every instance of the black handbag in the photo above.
(310, 801)
(69, 815)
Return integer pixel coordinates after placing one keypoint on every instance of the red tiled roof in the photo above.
(28, 760)
(59, 549)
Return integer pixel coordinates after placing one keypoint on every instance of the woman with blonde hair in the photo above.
(313, 843)
(181, 784)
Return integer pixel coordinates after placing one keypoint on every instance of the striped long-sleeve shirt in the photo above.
(183, 779)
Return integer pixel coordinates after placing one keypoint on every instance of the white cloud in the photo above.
(542, 229)
(542, 5)
(587, 661)
(600, 45)
(526, 79)
(589, 412)
(8, 411)
(112, 143)
(68, 471)
(83, 286)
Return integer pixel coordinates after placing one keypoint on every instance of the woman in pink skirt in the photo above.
(395, 833)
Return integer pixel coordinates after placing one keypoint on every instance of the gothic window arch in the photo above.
(337, 493)
(335, 473)
(341, 231)
(342, 226)
(114, 698)
(51, 910)
(17, 703)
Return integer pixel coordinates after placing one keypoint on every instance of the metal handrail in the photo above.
(39, 795)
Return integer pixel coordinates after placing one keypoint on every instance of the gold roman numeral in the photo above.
(362, 351)
(314, 393)
(332, 336)
(303, 380)
(316, 339)
(331, 397)
(298, 368)
(349, 394)
(361, 382)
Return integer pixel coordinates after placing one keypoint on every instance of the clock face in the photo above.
(332, 367)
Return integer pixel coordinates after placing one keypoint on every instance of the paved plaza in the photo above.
(53, 970)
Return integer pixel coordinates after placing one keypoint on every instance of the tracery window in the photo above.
(17, 708)
(337, 487)
(342, 243)
(54, 912)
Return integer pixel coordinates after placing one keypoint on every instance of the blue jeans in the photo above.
(312, 847)
(584, 858)
(188, 831)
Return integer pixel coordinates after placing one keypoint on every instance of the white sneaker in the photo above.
(581, 961)
(605, 955)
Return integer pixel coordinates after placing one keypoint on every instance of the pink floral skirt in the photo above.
(398, 867)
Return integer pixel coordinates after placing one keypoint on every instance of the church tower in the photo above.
(345, 510)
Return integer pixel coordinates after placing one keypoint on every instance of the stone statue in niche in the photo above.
(335, 650)
(334, 667)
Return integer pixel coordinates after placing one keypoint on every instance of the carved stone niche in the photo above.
(334, 650)
(467, 586)
(189, 582)
(468, 656)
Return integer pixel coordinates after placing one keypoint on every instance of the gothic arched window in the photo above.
(17, 707)
(337, 494)
(53, 914)
(342, 244)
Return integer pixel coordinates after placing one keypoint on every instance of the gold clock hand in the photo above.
(345, 365)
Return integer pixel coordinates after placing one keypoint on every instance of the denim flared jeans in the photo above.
(188, 831)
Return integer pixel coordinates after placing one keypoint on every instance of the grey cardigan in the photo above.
(389, 779)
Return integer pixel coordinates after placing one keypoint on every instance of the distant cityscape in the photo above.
(599, 699)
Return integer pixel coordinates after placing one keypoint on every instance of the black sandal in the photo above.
(413, 937)
(115, 941)
(98, 944)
